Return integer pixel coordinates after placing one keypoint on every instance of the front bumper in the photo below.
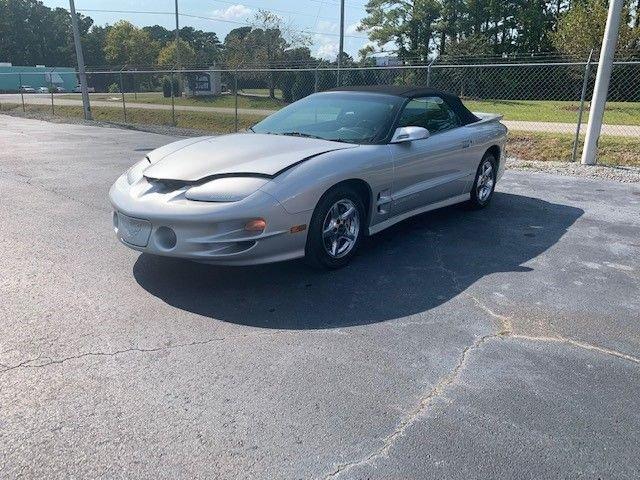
(208, 232)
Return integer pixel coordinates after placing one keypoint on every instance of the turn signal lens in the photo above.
(257, 225)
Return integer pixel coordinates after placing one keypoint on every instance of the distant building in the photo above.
(12, 77)
(204, 83)
(388, 61)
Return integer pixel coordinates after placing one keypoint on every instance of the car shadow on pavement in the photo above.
(410, 268)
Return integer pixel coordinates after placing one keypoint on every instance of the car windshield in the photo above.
(352, 117)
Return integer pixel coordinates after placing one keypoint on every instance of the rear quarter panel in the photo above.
(485, 135)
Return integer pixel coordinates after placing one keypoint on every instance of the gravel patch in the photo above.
(623, 174)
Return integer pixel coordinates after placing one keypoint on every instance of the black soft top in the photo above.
(452, 100)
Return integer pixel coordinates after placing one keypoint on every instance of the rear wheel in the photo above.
(336, 229)
(485, 182)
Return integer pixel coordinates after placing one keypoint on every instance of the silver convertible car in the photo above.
(310, 180)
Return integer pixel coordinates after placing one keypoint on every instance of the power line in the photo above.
(286, 12)
(337, 4)
(214, 19)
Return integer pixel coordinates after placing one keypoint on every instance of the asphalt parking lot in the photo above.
(499, 343)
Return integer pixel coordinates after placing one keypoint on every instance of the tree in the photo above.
(206, 45)
(409, 24)
(159, 34)
(93, 45)
(270, 43)
(128, 45)
(581, 28)
(265, 44)
(168, 55)
(31, 33)
(237, 47)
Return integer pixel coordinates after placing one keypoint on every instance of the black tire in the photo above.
(478, 198)
(316, 254)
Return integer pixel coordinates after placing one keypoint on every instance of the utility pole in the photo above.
(81, 73)
(605, 66)
(177, 36)
(341, 47)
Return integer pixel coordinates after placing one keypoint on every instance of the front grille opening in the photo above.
(165, 186)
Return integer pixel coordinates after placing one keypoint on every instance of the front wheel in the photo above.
(336, 229)
(485, 182)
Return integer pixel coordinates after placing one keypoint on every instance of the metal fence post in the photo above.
(124, 106)
(173, 99)
(585, 81)
(429, 72)
(135, 90)
(53, 110)
(235, 90)
(21, 92)
(315, 79)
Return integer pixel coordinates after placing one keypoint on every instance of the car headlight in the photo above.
(226, 189)
(134, 174)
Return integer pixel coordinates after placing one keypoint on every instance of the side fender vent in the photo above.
(383, 202)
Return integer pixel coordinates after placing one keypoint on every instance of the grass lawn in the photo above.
(213, 122)
(226, 100)
(558, 147)
(523, 145)
(616, 113)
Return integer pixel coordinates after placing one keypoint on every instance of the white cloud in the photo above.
(327, 27)
(327, 50)
(233, 12)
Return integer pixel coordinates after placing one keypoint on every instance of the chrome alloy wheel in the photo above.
(484, 186)
(341, 228)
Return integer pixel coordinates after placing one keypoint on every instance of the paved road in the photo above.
(550, 127)
(503, 343)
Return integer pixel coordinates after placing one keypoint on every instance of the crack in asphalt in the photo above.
(449, 379)
(29, 363)
(578, 344)
(505, 330)
(417, 412)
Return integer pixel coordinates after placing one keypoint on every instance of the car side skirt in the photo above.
(427, 208)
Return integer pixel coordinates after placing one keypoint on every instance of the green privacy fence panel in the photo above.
(12, 76)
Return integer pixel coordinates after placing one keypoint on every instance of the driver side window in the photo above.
(432, 113)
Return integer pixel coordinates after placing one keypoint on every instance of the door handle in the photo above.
(466, 143)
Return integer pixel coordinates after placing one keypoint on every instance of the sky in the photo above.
(319, 16)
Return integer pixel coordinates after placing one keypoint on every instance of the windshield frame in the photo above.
(381, 138)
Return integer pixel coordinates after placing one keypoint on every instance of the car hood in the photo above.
(252, 153)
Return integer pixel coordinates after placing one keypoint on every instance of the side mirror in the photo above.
(409, 134)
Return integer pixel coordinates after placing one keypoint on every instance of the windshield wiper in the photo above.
(308, 135)
(300, 134)
(339, 140)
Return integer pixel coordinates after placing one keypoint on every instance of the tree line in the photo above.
(419, 29)
(32, 33)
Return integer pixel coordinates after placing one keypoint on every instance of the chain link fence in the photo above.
(544, 104)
